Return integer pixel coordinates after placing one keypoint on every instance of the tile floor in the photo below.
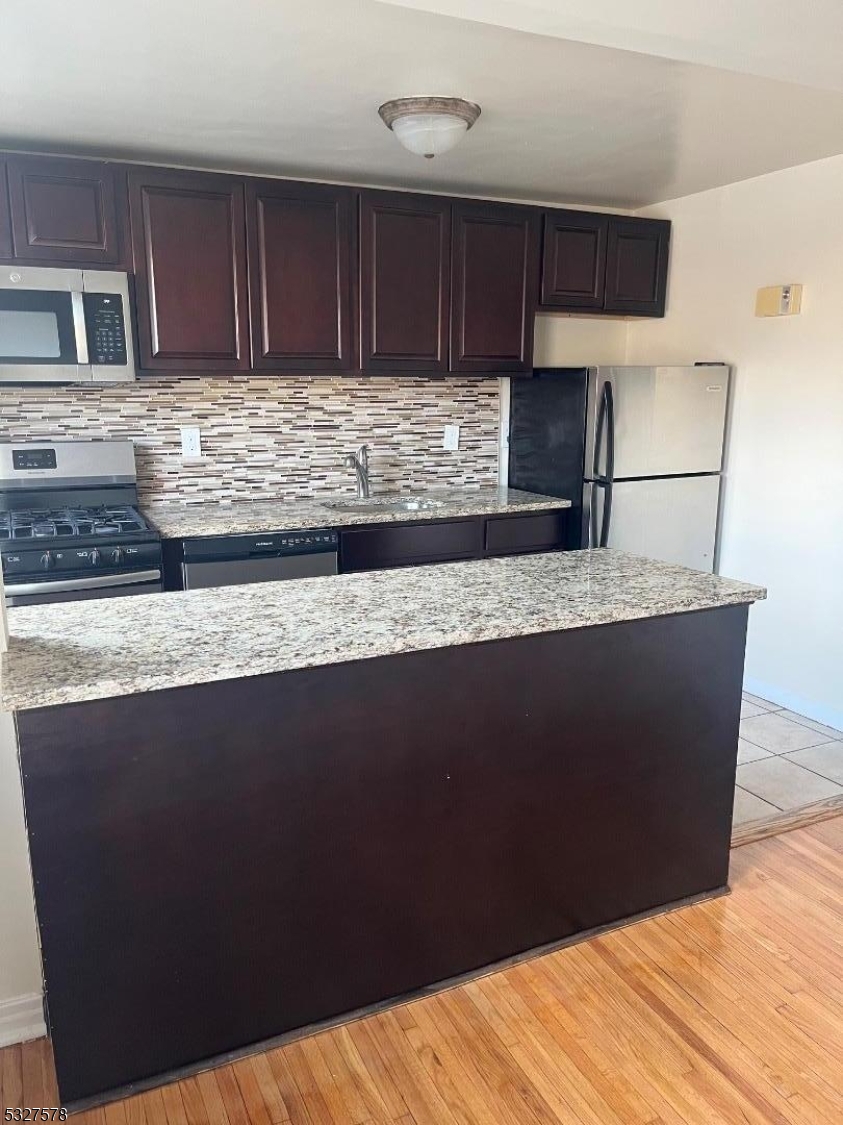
(785, 761)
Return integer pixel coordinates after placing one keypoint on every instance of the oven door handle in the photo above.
(68, 585)
(77, 301)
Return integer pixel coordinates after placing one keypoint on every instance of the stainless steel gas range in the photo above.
(69, 523)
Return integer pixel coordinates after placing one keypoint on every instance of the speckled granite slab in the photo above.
(179, 521)
(69, 652)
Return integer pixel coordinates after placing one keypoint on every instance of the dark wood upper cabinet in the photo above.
(300, 275)
(5, 219)
(636, 266)
(495, 283)
(405, 246)
(189, 243)
(63, 210)
(573, 273)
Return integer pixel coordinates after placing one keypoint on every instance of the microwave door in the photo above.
(42, 329)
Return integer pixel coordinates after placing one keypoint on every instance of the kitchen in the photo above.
(432, 405)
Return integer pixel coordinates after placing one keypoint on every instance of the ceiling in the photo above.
(292, 88)
(791, 41)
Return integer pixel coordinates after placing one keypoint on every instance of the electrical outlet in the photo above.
(191, 441)
(452, 438)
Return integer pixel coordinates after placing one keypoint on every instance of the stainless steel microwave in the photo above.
(64, 326)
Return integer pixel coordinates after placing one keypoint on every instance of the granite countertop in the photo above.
(75, 651)
(242, 517)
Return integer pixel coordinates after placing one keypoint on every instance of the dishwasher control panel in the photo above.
(271, 543)
(289, 542)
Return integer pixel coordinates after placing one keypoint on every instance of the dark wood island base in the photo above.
(218, 865)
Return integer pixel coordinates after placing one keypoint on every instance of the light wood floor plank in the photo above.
(359, 1043)
(365, 1098)
(693, 993)
(287, 1087)
(211, 1099)
(135, 1113)
(12, 1077)
(257, 1111)
(274, 1102)
(727, 1011)
(231, 1097)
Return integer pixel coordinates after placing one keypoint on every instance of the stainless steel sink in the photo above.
(408, 503)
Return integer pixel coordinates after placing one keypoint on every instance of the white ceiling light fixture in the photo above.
(429, 126)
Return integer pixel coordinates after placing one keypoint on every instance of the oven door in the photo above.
(42, 326)
(83, 589)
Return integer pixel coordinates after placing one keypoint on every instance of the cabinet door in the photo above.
(5, 220)
(405, 244)
(495, 282)
(401, 544)
(636, 266)
(63, 210)
(513, 535)
(189, 242)
(574, 259)
(299, 275)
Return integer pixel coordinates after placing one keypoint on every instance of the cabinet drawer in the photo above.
(509, 535)
(371, 548)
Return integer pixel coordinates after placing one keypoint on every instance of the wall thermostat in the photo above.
(779, 300)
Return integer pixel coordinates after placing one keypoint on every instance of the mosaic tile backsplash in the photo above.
(274, 437)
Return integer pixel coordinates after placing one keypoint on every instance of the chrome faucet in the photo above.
(359, 461)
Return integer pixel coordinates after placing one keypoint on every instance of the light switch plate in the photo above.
(191, 441)
(452, 438)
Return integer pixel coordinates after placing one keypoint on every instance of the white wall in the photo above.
(20, 966)
(564, 341)
(783, 504)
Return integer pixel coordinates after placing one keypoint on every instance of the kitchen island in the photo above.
(254, 809)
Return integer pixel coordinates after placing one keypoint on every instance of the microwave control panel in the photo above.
(105, 324)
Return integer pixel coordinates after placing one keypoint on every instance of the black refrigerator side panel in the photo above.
(547, 438)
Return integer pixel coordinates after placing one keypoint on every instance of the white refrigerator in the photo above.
(653, 460)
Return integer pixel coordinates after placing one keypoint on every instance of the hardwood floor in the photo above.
(727, 1011)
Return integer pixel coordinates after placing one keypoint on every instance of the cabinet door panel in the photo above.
(299, 266)
(189, 241)
(510, 535)
(63, 210)
(574, 259)
(405, 245)
(636, 266)
(372, 548)
(495, 287)
(5, 219)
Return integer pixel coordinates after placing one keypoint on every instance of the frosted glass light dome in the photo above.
(429, 126)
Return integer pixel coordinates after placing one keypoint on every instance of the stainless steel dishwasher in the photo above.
(232, 560)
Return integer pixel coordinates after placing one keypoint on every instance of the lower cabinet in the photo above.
(370, 548)
(376, 547)
(512, 535)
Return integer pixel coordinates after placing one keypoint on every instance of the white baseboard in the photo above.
(807, 707)
(21, 1018)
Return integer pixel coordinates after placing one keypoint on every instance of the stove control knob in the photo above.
(47, 560)
(116, 556)
(95, 557)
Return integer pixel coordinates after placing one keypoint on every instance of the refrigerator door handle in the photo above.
(609, 399)
(605, 424)
(598, 433)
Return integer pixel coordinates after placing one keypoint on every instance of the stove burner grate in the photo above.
(63, 523)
